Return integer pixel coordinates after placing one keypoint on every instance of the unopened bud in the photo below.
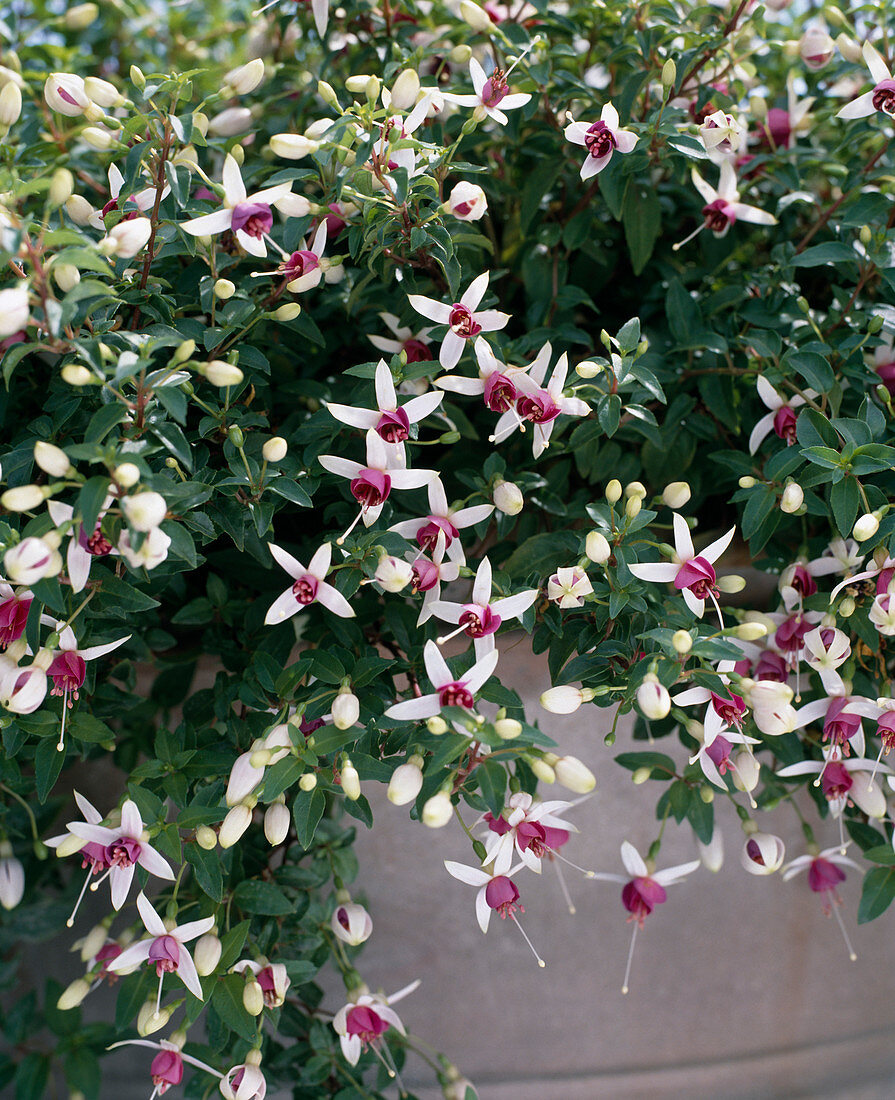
(73, 994)
(635, 489)
(653, 698)
(23, 498)
(747, 482)
(676, 494)
(308, 781)
(406, 782)
(51, 459)
(669, 74)
(438, 810)
(62, 183)
(507, 728)
(476, 17)
(508, 498)
(224, 289)
(293, 146)
(565, 698)
(253, 998)
(246, 78)
(287, 312)
(792, 499)
(206, 838)
(207, 954)
(588, 369)
(10, 104)
(436, 725)
(350, 781)
(866, 235)
(751, 632)
(865, 527)
(641, 775)
(597, 547)
(574, 775)
(328, 95)
(614, 491)
(682, 641)
(346, 709)
(80, 17)
(394, 574)
(846, 607)
(221, 373)
(276, 823)
(149, 1021)
(234, 825)
(633, 506)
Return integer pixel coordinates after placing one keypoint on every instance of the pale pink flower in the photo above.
(825, 650)
(144, 200)
(272, 978)
(82, 548)
(464, 319)
(568, 586)
(497, 383)
(523, 830)
(782, 417)
(414, 345)
(723, 207)
(600, 139)
(441, 518)
(841, 556)
(365, 1019)
(491, 93)
(302, 269)
(496, 893)
(309, 586)
(243, 1082)
(879, 98)
(449, 691)
(429, 573)
(824, 875)
(167, 1066)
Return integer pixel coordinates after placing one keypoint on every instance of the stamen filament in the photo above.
(340, 540)
(515, 921)
(630, 958)
(71, 920)
(851, 951)
(453, 634)
(94, 886)
(583, 870)
(158, 996)
(565, 890)
(61, 746)
(686, 240)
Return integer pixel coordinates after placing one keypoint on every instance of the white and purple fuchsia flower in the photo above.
(390, 420)
(480, 618)
(782, 417)
(824, 875)
(464, 318)
(569, 586)
(143, 200)
(165, 949)
(600, 139)
(881, 97)
(430, 573)
(372, 484)
(68, 669)
(166, 1068)
(881, 568)
(449, 691)
(491, 93)
(691, 573)
(125, 847)
(643, 890)
(443, 520)
(14, 607)
(249, 217)
(522, 830)
(844, 780)
(93, 855)
(723, 207)
(843, 731)
(244, 1082)
(272, 978)
(826, 648)
(82, 548)
(496, 893)
(497, 382)
(309, 586)
(362, 1023)
(415, 345)
(301, 269)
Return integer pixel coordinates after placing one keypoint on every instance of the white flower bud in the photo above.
(220, 373)
(467, 202)
(357, 84)
(102, 93)
(816, 47)
(253, 998)
(406, 782)
(246, 78)
(476, 17)
(234, 825)
(507, 496)
(392, 573)
(653, 698)
(12, 876)
(865, 527)
(436, 725)
(22, 690)
(633, 506)
(80, 17)
(126, 474)
(64, 92)
(149, 1021)
(438, 810)
(507, 728)
(405, 90)
(230, 122)
(731, 583)
(461, 54)
(711, 855)
(51, 459)
(762, 854)
(224, 289)
(745, 771)
(30, 560)
(352, 924)
(565, 699)
(350, 781)
(792, 499)
(276, 823)
(23, 498)
(93, 942)
(597, 547)
(10, 104)
(14, 309)
(308, 781)
(676, 494)
(288, 311)
(682, 641)
(614, 491)
(74, 374)
(207, 954)
(76, 206)
(206, 838)
(67, 276)
(293, 146)
(346, 709)
(144, 511)
(751, 632)
(275, 449)
(574, 775)
(127, 238)
(73, 994)
(542, 769)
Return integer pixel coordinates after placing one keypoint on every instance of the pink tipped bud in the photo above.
(653, 698)
(352, 923)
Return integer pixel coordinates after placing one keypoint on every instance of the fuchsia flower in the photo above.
(364, 1021)
(272, 978)
(301, 269)
(722, 728)
(415, 345)
(125, 847)
(390, 420)
(723, 207)
(243, 1082)
(825, 650)
(480, 619)
(879, 98)
(165, 949)
(693, 575)
(844, 781)
(309, 586)
(449, 692)
(464, 319)
(69, 667)
(93, 854)
(144, 200)
(249, 217)
(497, 382)
(442, 520)
(167, 1066)
(643, 890)
(82, 548)
(843, 731)
(568, 586)
(14, 608)
(496, 893)
(600, 139)
(372, 484)
(782, 417)
(491, 93)
(526, 831)
(428, 575)
(824, 875)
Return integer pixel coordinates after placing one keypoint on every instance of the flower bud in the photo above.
(253, 998)
(328, 95)
(80, 17)
(127, 238)
(653, 698)
(614, 491)
(669, 74)
(64, 92)
(750, 632)
(10, 104)
(97, 137)
(287, 312)
(438, 810)
(224, 289)
(436, 725)
(597, 547)
(633, 506)
(221, 373)
(676, 494)
(234, 825)
(711, 855)
(541, 769)
(149, 1021)
(762, 854)
(293, 146)
(507, 496)
(747, 482)
(308, 781)
(102, 93)
(246, 78)
(14, 309)
(346, 709)
(352, 924)
(635, 489)
(12, 877)
(405, 90)
(30, 560)
(574, 775)
(507, 728)
(73, 994)
(67, 276)
(816, 47)
(126, 474)
(461, 54)
(144, 511)
(73, 374)
(846, 607)
(467, 202)
(230, 122)
(406, 781)
(865, 527)
(745, 771)
(275, 449)
(476, 17)
(682, 641)
(792, 499)
(565, 699)
(76, 206)
(51, 459)
(206, 838)
(394, 574)
(207, 954)
(350, 781)
(23, 498)
(137, 77)
(276, 823)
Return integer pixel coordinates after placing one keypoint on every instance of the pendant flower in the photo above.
(272, 978)
(364, 1021)
(825, 650)
(600, 139)
(144, 200)
(301, 269)
(782, 417)
(167, 1066)
(723, 207)
(309, 586)
(449, 692)
(69, 667)
(525, 831)
(497, 382)
(125, 847)
(879, 98)
(844, 781)
(82, 548)
(444, 520)
(491, 93)
(693, 575)
(497, 893)
(464, 319)
(14, 608)
(414, 345)
(481, 618)
(824, 875)
(249, 217)
(429, 574)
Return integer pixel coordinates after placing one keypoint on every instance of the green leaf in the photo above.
(701, 816)
(822, 254)
(90, 501)
(231, 944)
(877, 894)
(881, 853)
(32, 1075)
(816, 371)
(642, 219)
(492, 780)
(207, 869)
(103, 421)
(227, 1002)
(845, 499)
(307, 809)
(255, 896)
(48, 763)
